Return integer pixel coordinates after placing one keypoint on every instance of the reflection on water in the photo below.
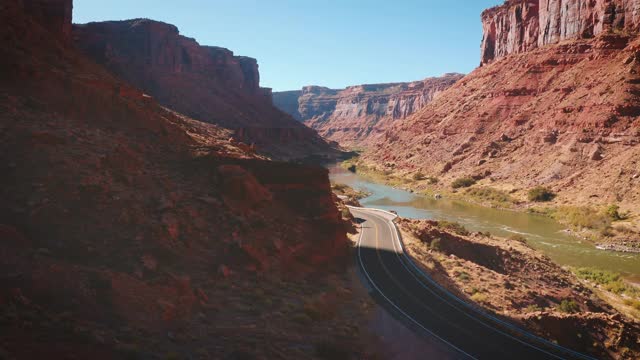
(543, 233)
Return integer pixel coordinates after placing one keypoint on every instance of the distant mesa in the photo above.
(355, 115)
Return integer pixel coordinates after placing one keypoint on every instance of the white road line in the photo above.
(396, 306)
(395, 230)
(510, 326)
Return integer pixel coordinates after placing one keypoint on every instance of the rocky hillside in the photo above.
(549, 107)
(122, 222)
(207, 83)
(507, 278)
(357, 114)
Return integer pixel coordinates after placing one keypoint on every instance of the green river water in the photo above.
(542, 233)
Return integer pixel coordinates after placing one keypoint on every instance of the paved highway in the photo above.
(410, 294)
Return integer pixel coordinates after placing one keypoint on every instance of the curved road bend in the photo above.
(408, 292)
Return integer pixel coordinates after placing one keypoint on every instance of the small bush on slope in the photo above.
(541, 194)
(463, 182)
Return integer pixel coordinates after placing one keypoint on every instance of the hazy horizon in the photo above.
(334, 44)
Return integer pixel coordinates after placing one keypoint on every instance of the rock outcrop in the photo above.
(522, 25)
(510, 28)
(355, 115)
(207, 83)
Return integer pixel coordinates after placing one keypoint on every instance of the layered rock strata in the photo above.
(354, 115)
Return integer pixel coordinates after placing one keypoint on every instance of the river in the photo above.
(542, 233)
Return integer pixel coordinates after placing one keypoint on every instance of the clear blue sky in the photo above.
(332, 43)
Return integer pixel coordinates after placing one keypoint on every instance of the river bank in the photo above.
(542, 232)
(504, 276)
(607, 227)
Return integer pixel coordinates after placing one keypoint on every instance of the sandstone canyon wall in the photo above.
(522, 25)
(564, 115)
(357, 114)
(207, 83)
(54, 15)
(120, 219)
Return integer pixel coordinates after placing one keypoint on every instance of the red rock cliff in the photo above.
(122, 214)
(353, 115)
(54, 15)
(522, 25)
(510, 28)
(204, 82)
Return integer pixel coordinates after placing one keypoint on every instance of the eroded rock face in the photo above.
(354, 115)
(142, 50)
(117, 211)
(510, 28)
(55, 15)
(522, 25)
(207, 83)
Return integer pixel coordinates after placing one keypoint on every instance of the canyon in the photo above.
(207, 83)
(358, 114)
(159, 203)
(547, 107)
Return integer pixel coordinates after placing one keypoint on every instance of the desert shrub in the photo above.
(540, 194)
(340, 187)
(454, 227)
(568, 306)
(633, 303)
(607, 232)
(479, 297)
(432, 180)
(533, 308)
(346, 214)
(617, 287)
(463, 182)
(463, 276)
(613, 211)
(582, 217)
(418, 176)
(609, 280)
(435, 244)
(518, 238)
(625, 230)
(490, 194)
(600, 277)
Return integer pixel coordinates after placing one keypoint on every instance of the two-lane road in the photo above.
(409, 293)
